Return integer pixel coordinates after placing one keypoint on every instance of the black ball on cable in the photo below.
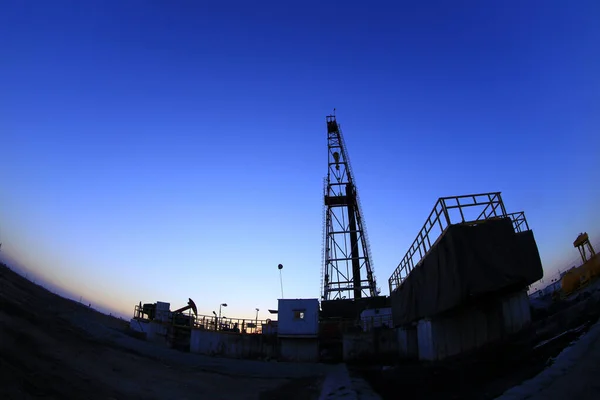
(280, 266)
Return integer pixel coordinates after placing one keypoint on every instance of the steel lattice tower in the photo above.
(347, 271)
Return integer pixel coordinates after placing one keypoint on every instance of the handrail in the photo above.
(442, 216)
(210, 322)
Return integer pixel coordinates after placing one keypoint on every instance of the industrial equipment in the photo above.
(179, 318)
(347, 278)
(160, 311)
(579, 277)
(347, 270)
(191, 306)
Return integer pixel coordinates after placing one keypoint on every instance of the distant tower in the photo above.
(347, 271)
(582, 243)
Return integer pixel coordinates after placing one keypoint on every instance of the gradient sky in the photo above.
(160, 150)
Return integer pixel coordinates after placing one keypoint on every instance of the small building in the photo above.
(298, 329)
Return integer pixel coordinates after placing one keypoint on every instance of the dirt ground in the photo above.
(51, 347)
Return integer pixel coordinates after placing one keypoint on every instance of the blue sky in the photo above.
(154, 150)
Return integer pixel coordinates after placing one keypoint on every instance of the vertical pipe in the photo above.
(351, 204)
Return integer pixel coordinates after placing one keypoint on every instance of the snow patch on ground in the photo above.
(339, 385)
(561, 365)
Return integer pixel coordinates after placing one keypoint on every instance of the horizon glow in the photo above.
(160, 152)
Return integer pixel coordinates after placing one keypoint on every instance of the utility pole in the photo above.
(280, 267)
(256, 322)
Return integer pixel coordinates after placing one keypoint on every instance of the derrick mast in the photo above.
(347, 270)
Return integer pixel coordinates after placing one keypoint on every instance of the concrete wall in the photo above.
(298, 317)
(516, 312)
(408, 346)
(299, 350)
(234, 345)
(450, 335)
(375, 344)
(428, 344)
(154, 331)
(139, 326)
(468, 328)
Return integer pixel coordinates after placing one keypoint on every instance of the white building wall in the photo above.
(298, 317)
(299, 350)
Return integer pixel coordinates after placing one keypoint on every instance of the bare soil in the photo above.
(51, 347)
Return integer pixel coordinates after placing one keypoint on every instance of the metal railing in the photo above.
(182, 319)
(519, 221)
(364, 324)
(235, 325)
(376, 321)
(213, 323)
(467, 209)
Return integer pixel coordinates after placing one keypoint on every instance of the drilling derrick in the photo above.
(347, 272)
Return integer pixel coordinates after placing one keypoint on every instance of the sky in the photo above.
(160, 151)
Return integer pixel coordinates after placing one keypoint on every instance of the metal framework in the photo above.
(347, 271)
(519, 221)
(467, 209)
(582, 243)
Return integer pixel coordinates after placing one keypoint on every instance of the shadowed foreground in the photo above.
(56, 348)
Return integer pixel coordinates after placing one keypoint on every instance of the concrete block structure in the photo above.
(408, 344)
(466, 288)
(468, 328)
(233, 345)
(371, 345)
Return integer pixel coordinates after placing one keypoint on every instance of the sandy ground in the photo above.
(51, 347)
